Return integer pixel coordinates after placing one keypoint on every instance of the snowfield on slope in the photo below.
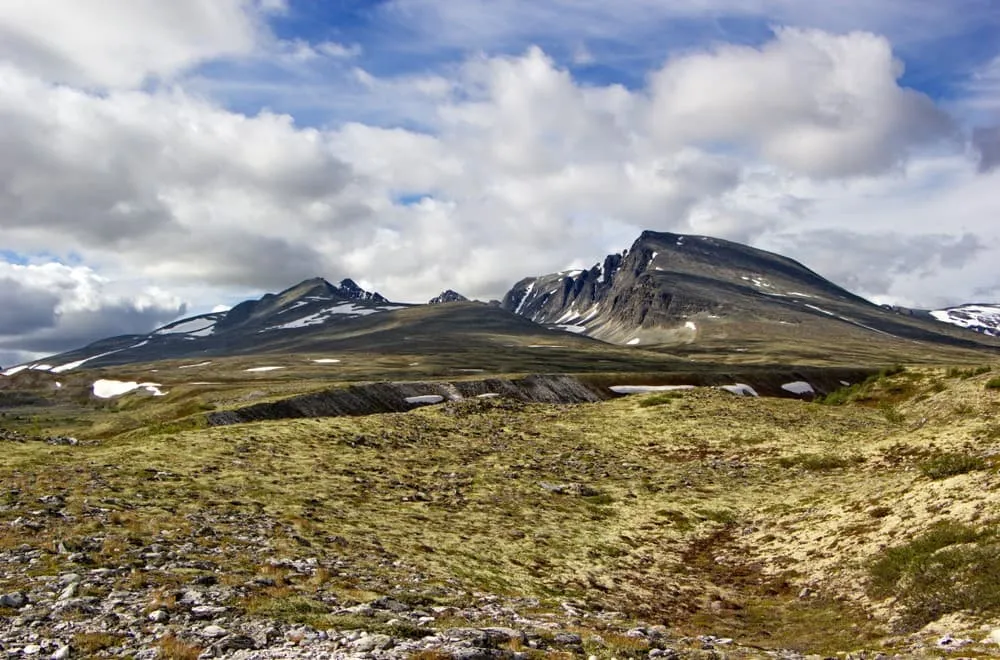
(109, 389)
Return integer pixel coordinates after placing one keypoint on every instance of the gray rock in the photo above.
(568, 639)
(237, 643)
(62, 653)
(15, 600)
(213, 632)
(372, 643)
(159, 616)
(386, 603)
(206, 612)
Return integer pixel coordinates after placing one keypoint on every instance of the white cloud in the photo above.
(811, 102)
(518, 168)
(121, 43)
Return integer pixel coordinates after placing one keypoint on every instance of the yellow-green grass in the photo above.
(709, 514)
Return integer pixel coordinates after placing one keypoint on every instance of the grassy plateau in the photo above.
(867, 519)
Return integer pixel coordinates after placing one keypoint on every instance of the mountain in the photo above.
(447, 296)
(685, 297)
(253, 325)
(316, 317)
(674, 289)
(981, 318)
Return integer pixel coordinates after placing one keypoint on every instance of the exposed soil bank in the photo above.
(375, 398)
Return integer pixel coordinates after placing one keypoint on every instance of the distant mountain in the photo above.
(692, 297)
(249, 326)
(982, 318)
(447, 296)
(674, 289)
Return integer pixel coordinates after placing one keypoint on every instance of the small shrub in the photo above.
(174, 648)
(951, 568)
(818, 462)
(91, 643)
(951, 464)
(879, 511)
(663, 398)
(956, 372)
(993, 383)
(891, 414)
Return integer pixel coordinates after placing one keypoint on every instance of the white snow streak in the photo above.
(425, 399)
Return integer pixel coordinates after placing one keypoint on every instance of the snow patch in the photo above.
(978, 317)
(740, 389)
(425, 399)
(633, 341)
(798, 387)
(108, 389)
(194, 366)
(199, 327)
(690, 325)
(524, 300)
(488, 395)
(15, 370)
(820, 309)
(259, 369)
(326, 361)
(575, 329)
(643, 389)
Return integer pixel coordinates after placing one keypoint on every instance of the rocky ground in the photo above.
(690, 525)
(81, 609)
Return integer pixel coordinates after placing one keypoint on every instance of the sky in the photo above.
(158, 159)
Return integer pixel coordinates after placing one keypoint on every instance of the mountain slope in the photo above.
(672, 289)
(315, 317)
(251, 326)
(979, 317)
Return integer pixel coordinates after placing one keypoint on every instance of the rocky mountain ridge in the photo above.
(675, 289)
(447, 296)
(666, 290)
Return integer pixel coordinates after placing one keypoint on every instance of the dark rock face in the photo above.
(668, 288)
(400, 397)
(350, 290)
(447, 296)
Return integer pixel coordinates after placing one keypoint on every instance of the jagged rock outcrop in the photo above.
(447, 296)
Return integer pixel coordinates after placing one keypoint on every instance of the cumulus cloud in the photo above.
(812, 102)
(987, 142)
(166, 182)
(52, 307)
(121, 43)
(872, 262)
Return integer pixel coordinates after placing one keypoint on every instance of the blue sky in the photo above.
(161, 158)
(396, 38)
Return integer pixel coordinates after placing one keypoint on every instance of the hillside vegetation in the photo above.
(686, 523)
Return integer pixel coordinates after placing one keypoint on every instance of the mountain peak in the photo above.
(447, 296)
(352, 290)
